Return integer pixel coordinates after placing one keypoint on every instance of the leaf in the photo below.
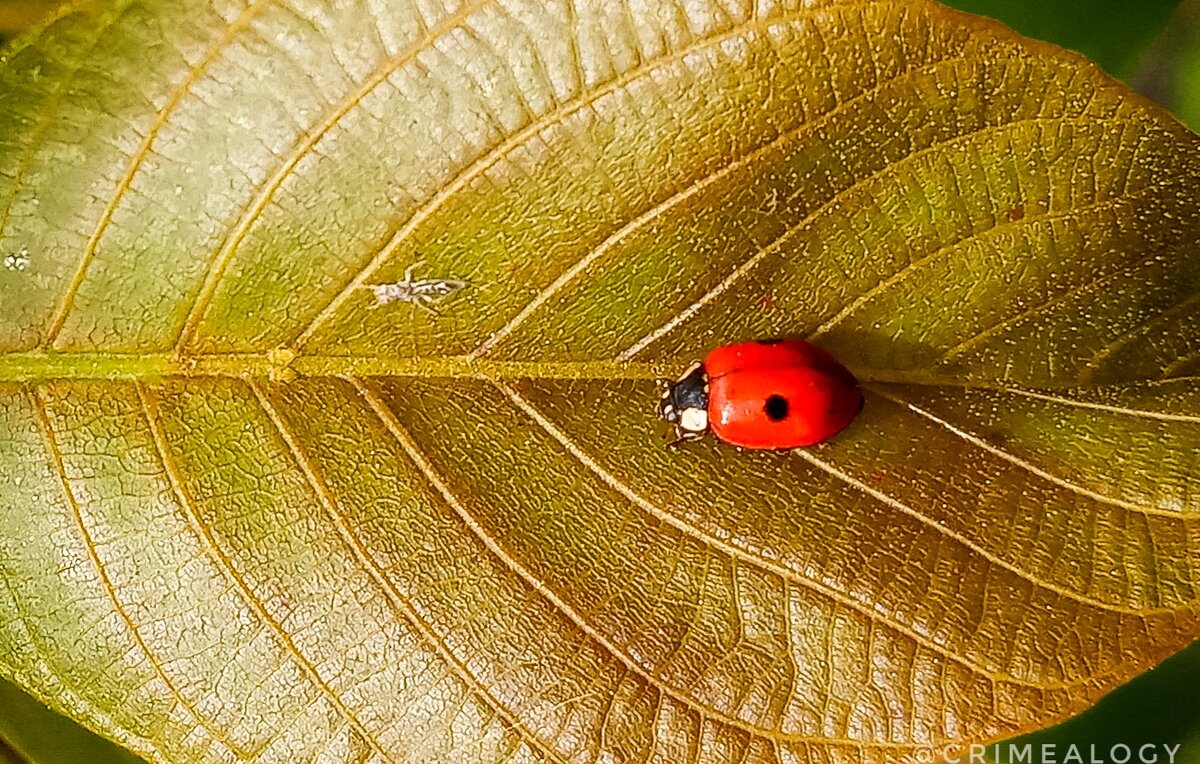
(1112, 33)
(43, 736)
(1153, 710)
(18, 15)
(1171, 68)
(8, 755)
(249, 513)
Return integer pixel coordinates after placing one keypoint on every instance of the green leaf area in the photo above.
(1153, 716)
(1113, 33)
(251, 511)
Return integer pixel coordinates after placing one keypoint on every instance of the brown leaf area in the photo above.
(18, 15)
(250, 514)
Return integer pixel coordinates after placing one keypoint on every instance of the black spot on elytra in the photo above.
(776, 408)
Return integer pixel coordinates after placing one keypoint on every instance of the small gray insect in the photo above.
(424, 293)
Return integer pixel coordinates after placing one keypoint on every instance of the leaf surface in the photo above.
(250, 513)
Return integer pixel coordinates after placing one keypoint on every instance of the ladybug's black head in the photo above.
(685, 403)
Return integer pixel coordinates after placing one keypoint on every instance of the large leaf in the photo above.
(249, 513)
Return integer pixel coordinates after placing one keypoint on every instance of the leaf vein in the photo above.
(62, 689)
(776, 569)
(1028, 313)
(779, 242)
(406, 442)
(1029, 467)
(518, 139)
(1125, 410)
(992, 558)
(258, 203)
(217, 555)
(54, 452)
(59, 318)
(398, 601)
(658, 210)
(997, 225)
(1106, 352)
(46, 118)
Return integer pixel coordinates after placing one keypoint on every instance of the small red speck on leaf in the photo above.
(1016, 213)
(768, 301)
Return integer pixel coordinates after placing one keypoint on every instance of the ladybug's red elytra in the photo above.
(763, 394)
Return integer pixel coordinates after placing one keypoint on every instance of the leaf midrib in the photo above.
(281, 364)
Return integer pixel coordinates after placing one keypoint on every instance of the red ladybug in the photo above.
(763, 394)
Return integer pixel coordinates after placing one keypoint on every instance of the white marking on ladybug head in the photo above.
(693, 420)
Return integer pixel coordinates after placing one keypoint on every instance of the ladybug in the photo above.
(763, 394)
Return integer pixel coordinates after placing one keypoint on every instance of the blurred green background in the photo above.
(1154, 45)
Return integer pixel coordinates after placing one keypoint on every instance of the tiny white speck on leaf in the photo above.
(17, 262)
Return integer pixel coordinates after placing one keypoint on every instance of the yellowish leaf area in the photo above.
(251, 513)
